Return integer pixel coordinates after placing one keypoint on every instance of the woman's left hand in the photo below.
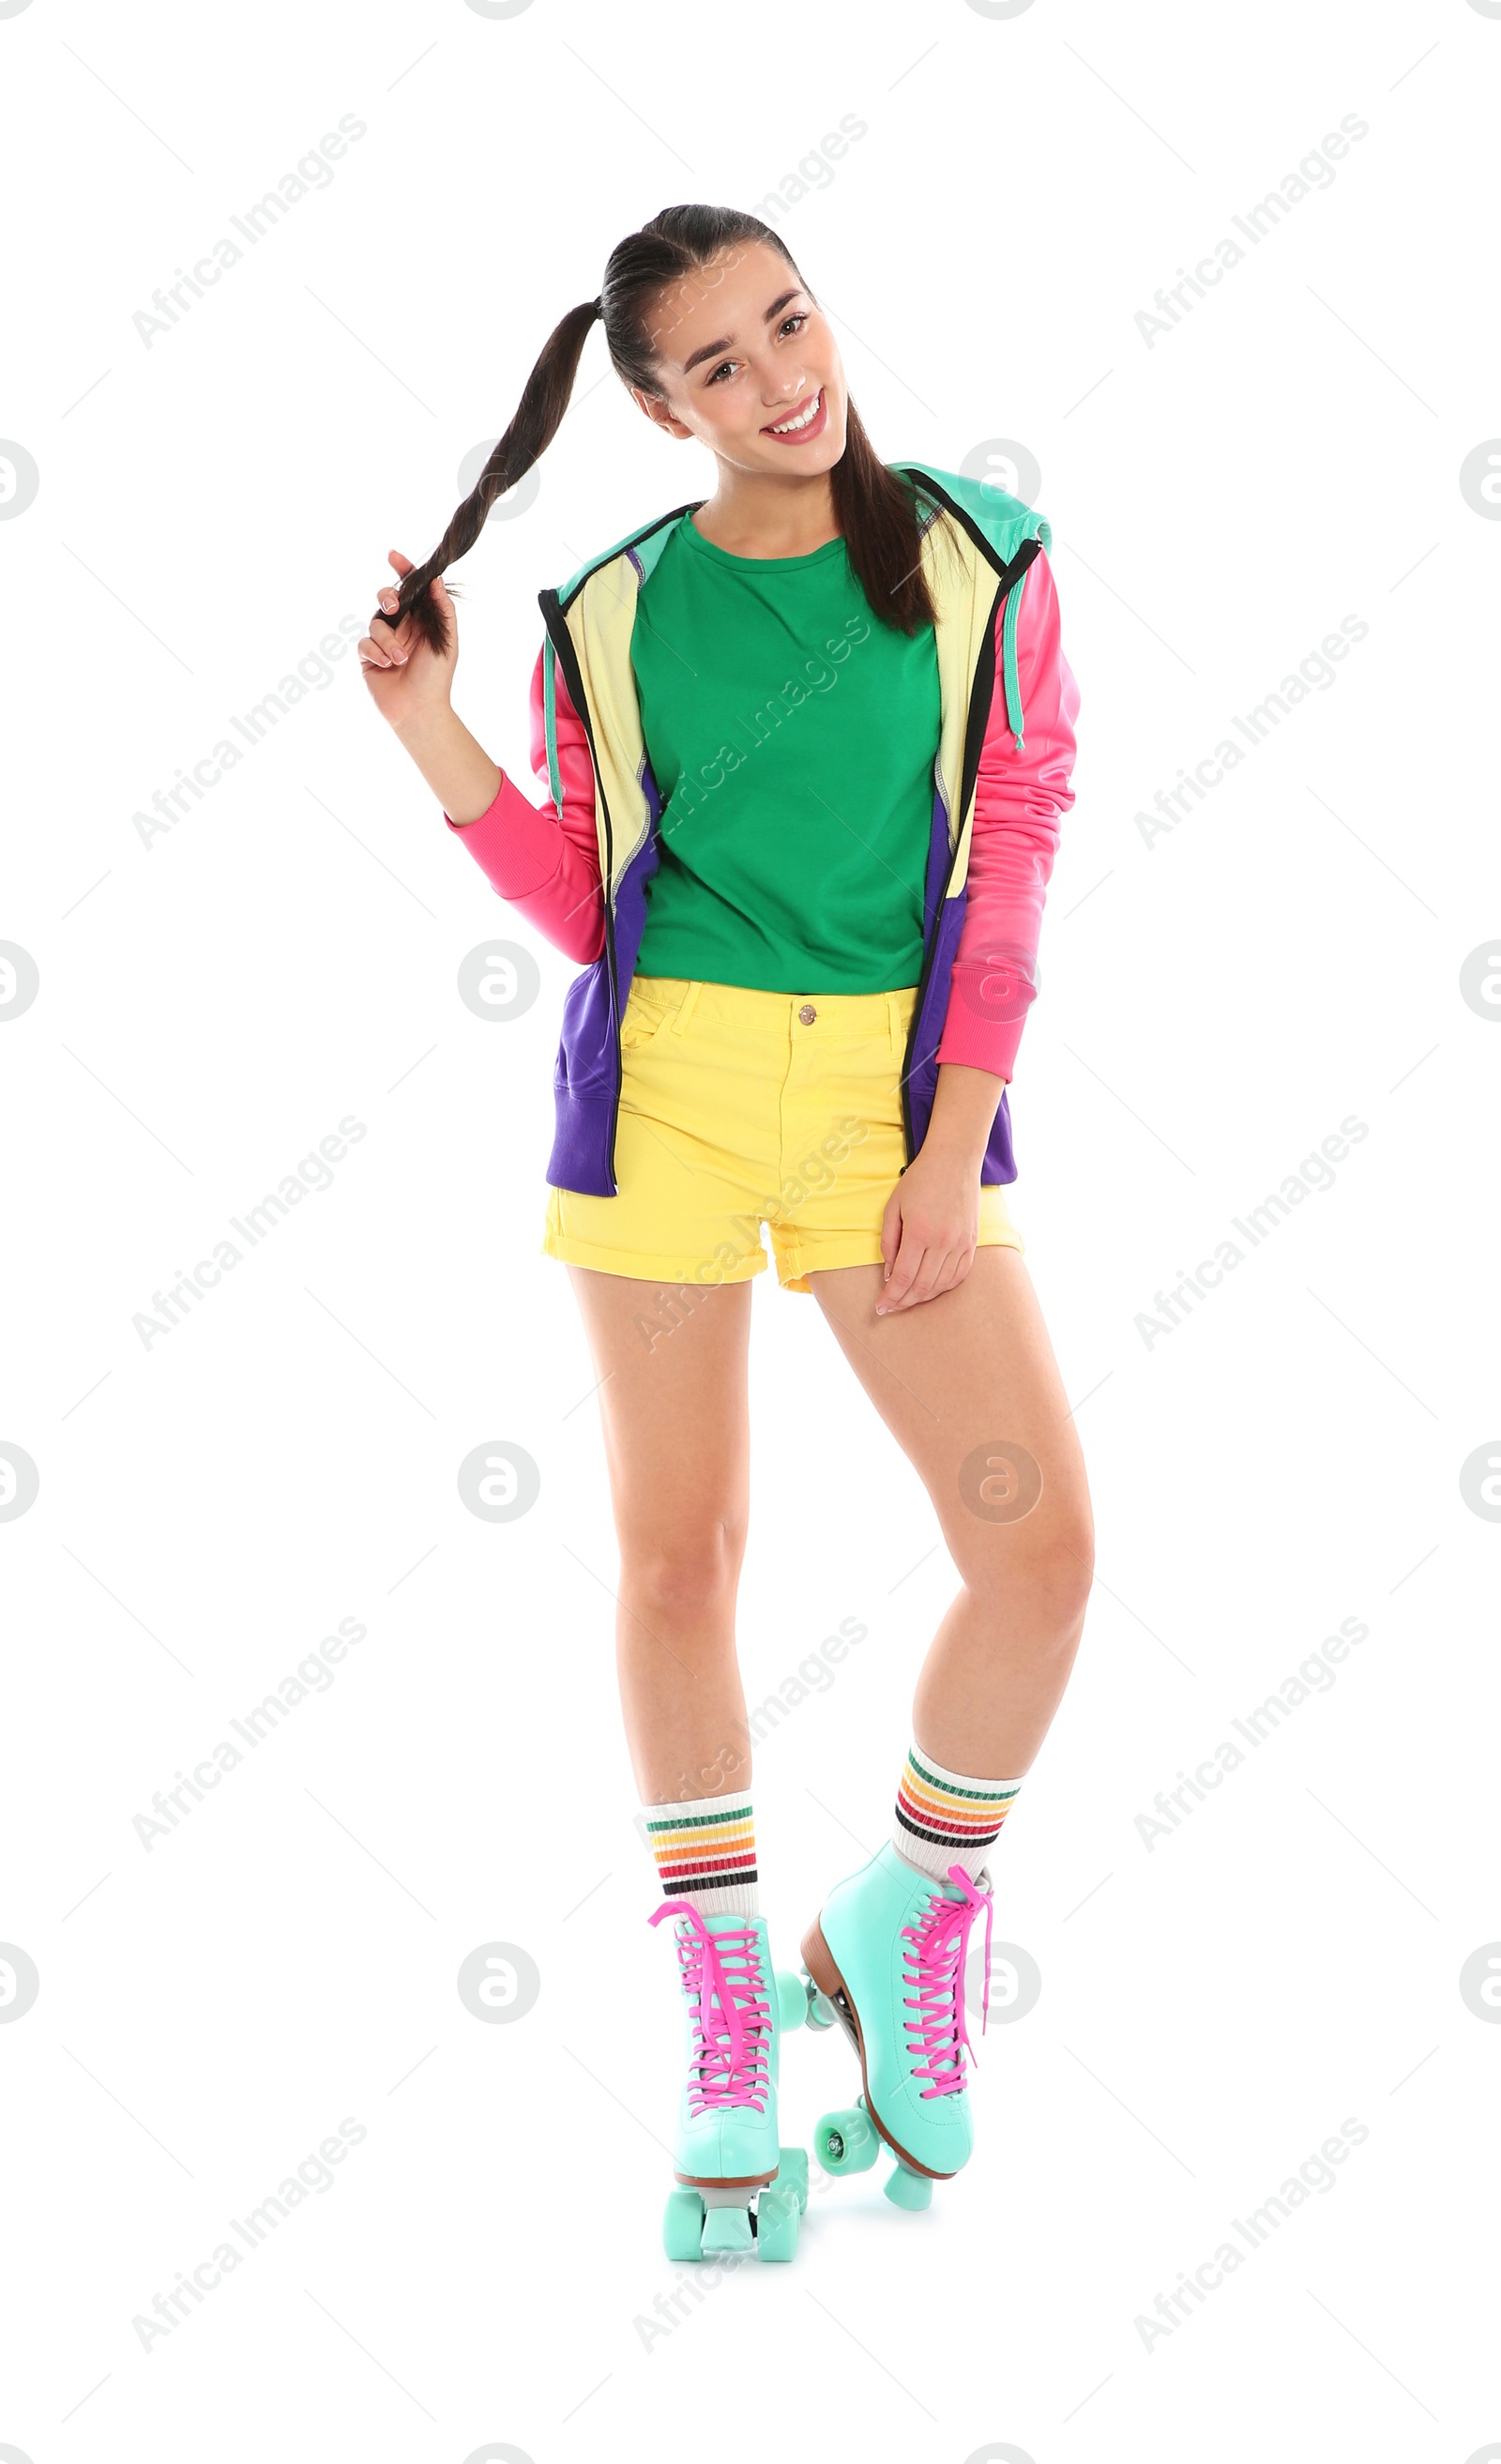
(928, 1232)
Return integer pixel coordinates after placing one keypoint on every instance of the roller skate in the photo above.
(885, 1958)
(738, 2189)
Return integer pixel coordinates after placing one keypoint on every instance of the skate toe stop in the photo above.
(908, 2189)
(726, 2229)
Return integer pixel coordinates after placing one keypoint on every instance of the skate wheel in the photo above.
(792, 1999)
(908, 2189)
(820, 2009)
(778, 2217)
(726, 2229)
(792, 2174)
(682, 2224)
(846, 2142)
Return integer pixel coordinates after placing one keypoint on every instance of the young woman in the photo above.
(807, 743)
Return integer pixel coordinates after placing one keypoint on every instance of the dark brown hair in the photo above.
(647, 274)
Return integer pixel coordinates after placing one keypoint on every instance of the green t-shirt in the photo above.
(793, 738)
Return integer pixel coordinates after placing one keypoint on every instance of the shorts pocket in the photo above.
(644, 1018)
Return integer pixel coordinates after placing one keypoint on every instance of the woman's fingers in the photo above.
(928, 1280)
(387, 601)
(917, 1269)
(394, 644)
(903, 1271)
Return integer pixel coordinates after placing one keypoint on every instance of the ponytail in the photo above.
(539, 416)
(875, 510)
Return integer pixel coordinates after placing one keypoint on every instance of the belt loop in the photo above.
(686, 1008)
(899, 1041)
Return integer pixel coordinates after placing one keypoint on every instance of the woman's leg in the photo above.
(968, 1387)
(673, 1402)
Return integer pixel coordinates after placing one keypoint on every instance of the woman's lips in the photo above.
(814, 427)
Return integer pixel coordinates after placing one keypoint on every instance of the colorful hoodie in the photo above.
(1001, 770)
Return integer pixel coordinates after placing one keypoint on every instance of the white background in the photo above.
(1214, 1004)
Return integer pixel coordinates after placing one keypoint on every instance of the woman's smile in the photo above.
(798, 426)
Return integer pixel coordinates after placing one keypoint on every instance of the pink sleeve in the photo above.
(1019, 799)
(546, 862)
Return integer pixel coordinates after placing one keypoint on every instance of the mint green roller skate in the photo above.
(885, 1957)
(738, 2188)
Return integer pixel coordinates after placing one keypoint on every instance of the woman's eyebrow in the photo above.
(712, 350)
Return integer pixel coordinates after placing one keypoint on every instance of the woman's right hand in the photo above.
(407, 681)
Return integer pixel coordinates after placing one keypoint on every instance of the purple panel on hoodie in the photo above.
(587, 1071)
(998, 1163)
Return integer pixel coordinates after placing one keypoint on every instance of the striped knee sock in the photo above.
(944, 1819)
(705, 1849)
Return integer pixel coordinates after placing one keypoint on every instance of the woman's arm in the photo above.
(546, 862)
(1019, 799)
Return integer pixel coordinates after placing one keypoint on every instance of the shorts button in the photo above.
(807, 1013)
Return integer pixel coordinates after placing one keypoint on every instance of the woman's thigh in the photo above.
(673, 1390)
(968, 1387)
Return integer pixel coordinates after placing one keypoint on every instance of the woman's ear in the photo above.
(658, 413)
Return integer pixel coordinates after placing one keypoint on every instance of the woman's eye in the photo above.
(798, 316)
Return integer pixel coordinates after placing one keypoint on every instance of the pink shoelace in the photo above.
(935, 1965)
(720, 1973)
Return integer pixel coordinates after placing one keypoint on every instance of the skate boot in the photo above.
(885, 1957)
(737, 2187)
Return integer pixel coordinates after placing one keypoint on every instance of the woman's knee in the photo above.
(686, 1573)
(1040, 1568)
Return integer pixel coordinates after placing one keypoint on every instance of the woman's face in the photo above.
(743, 348)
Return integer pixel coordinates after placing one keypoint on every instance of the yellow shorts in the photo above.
(741, 1107)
